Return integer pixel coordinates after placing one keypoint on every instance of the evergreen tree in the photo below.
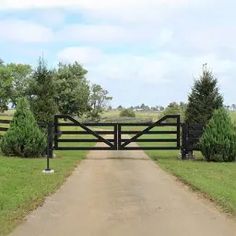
(41, 93)
(24, 137)
(204, 99)
(218, 142)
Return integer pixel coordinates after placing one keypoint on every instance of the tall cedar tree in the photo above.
(204, 99)
(41, 93)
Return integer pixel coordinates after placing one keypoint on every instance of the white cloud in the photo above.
(105, 33)
(128, 11)
(85, 55)
(164, 77)
(212, 38)
(90, 4)
(24, 31)
(50, 17)
(155, 68)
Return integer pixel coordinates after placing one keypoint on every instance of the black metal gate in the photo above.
(116, 136)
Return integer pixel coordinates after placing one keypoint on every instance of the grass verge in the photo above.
(23, 186)
(215, 180)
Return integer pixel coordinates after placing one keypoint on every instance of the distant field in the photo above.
(140, 115)
(233, 115)
(146, 115)
(114, 115)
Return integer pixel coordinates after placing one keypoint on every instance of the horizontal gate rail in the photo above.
(82, 148)
(150, 148)
(86, 124)
(83, 140)
(147, 140)
(150, 124)
(150, 132)
(83, 132)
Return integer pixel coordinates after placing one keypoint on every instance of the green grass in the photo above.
(139, 115)
(23, 186)
(233, 115)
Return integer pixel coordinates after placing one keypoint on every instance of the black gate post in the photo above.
(119, 137)
(184, 148)
(115, 136)
(49, 147)
(178, 131)
(56, 132)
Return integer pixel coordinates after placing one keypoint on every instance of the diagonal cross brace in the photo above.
(145, 131)
(88, 130)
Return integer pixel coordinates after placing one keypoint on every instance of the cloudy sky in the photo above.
(142, 51)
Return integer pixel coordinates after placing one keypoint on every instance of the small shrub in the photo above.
(24, 137)
(218, 142)
(127, 113)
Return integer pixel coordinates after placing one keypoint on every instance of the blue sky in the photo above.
(142, 51)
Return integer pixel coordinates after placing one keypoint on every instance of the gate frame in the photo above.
(112, 143)
(147, 131)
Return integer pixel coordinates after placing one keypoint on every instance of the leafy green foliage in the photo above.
(175, 109)
(13, 82)
(72, 89)
(24, 137)
(204, 99)
(218, 142)
(98, 100)
(21, 74)
(6, 81)
(127, 113)
(41, 93)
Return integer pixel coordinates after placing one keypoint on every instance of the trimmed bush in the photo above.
(24, 137)
(127, 113)
(218, 142)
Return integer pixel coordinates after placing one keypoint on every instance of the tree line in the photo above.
(63, 90)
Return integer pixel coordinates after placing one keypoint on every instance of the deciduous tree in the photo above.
(72, 89)
(98, 100)
(6, 91)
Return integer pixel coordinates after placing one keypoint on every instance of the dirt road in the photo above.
(124, 194)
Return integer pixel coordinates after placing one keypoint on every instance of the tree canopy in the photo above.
(72, 89)
(98, 100)
(204, 99)
(41, 93)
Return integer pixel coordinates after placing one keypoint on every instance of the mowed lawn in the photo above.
(23, 186)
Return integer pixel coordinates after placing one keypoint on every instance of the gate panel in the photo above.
(63, 134)
(169, 129)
